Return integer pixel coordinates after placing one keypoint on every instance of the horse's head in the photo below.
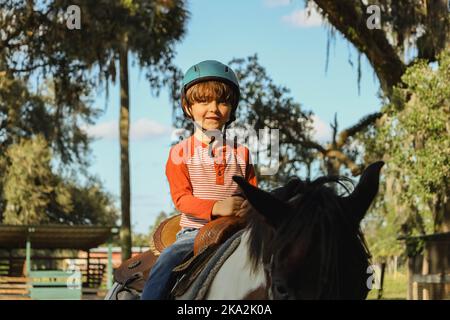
(309, 236)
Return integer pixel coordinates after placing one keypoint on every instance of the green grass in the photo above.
(394, 288)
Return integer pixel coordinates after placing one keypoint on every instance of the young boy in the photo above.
(200, 168)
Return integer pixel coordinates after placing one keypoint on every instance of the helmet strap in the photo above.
(212, 136)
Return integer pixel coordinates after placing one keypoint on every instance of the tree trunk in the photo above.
(438, 25)
(446, 221)
(441, 208)
(124, 128)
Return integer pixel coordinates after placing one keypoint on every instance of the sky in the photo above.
(290, 44)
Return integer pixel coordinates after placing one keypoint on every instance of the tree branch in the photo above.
(334, 127)
(360, 126)
(313, 145)
(29, 68)
(342, 158)
(349, 17)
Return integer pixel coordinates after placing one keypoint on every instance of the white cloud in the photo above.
(147, 128)
(304, 18)
(322, 131)
(105, 130)
(276, 3)
(139, 130)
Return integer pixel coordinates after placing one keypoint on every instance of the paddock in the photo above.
(29, 269)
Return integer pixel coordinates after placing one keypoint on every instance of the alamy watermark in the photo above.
(374, 279)
(74, 279)
(263, 146)
(73, 17)
(374, 20)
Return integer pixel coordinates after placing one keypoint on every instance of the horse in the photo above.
(301, 241)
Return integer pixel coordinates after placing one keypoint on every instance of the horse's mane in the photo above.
(317, 218)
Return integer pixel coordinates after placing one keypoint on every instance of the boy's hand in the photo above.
(245, 206)
(227, 207)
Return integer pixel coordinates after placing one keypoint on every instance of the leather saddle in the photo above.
(133, 272)
(165, 234)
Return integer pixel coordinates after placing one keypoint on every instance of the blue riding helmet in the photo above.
(210, 70)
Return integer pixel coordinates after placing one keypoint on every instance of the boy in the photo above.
(200, 168)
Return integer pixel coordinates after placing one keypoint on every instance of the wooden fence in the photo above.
(14, 288)
(429, 271)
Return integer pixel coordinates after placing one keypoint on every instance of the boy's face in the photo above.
(210, 115)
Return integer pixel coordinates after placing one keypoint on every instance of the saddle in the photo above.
(216, 232)
(133, 272)
(165, 234)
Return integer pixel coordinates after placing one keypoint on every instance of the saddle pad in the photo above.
(200, 285)
(190, 269)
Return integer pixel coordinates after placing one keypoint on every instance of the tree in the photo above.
(26, 115)
(34, 194)
(414, 138)
(113, 29)
(92, 205)
(414, 199)
(381, 233)
(424, 25)
(140, 239)
(149, 31)
(25, 112)
(166, 31)
(29, 184)
(405, 25)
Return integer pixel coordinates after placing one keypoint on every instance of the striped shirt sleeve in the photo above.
(181, 191)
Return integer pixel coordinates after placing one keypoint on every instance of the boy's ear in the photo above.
(185, 106)
(187, 110)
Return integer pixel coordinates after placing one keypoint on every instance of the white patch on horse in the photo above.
(236, 279)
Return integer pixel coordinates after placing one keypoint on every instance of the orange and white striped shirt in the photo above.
(198, 180)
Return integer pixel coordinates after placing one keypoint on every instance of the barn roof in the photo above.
(55, 236)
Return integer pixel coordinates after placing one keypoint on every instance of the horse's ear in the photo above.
(272, 208)
(359, 201)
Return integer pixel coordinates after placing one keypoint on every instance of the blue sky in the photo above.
(290, 47)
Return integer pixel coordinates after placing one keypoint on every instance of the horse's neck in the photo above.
(236, 279)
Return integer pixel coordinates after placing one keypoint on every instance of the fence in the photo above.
(429, 270)
(55, 285)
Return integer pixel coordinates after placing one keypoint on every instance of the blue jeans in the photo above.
(156, 286)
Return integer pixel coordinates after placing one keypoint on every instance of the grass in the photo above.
(394, 288)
